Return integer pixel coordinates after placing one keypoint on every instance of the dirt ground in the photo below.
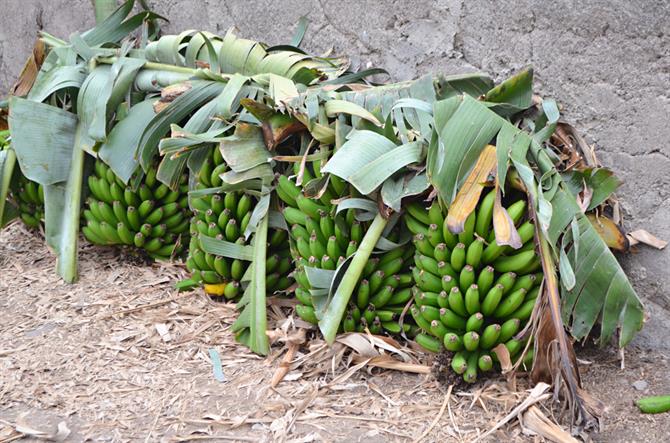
(121, 356)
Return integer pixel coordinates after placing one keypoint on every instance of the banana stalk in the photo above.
(333, 315)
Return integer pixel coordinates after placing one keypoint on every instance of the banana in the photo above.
(456, 302)
(449, 238)
(428, 342)
(485, 279)
(426, 264)
(515, 262)
(438, 329)
(510, 303)
(451, 319)
(381, 298)
(376, 280)
(457, 260)
(485, 215)
(414, 226)
(471, 299)
(471, 341)
(524, 312)
(442, 253)
(145, 208)
(310, 207)
(139, 239)
(459, 363)
(145, 193)
(155, 216)
(474, 322)
(92, 236)
(230, 201)
(508, 329)
(124, 233)
(513, 346)
(215, 177)
(243, 206)
(473, 256)
(109, 233)
(470, 375)
(107, 213)
(426, 298)
(448, 283)
(434, 235)
(294, 216)
(427, 281)
(116, 191)
(423, 245)
(452, 342)
(507, 281)
(430, 313)
(400, 297)
(468, 235)
(485, 363)
(466, 278)
(419, 213)
(130, 197)
(492, 300)
(306, 313)
(489, 337)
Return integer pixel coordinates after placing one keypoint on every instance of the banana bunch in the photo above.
(226, 217)
(470, 293)
(153, 218)
(29, 197)
(321, 240)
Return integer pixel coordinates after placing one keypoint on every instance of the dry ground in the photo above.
(120, 356)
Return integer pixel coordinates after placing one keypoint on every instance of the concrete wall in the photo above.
(606, 61)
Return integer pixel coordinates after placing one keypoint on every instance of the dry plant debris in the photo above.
(120, 356)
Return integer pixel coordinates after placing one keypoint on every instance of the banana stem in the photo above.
(69, 241)
(258, 339)
(335, 311)
(6, 174)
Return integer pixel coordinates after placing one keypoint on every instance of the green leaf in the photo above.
(200, 93)
(44, 155)
(513, 95)
(299, 31)
(601, 181)
(464, 127)
(335, 107)
(118, 150)
(394, 190)
(7, 161)
(475, 85)
(224, 248)
(367, 159)
(55, 79)
(602, 291)
(245, 149)
(251, 325)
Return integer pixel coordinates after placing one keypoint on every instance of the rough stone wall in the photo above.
(606, 61)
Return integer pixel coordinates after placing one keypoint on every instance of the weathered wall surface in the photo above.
(607, 62)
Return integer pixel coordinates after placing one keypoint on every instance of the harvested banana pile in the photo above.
(470, 293)
(29, 197)
(226, 217)
(322, 239)
(153, 218)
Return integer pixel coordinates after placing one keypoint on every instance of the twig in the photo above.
(284, 365)
(537, 394)
(437, 417)
(135, 309)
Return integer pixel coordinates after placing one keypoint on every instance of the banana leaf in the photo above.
(8, 211)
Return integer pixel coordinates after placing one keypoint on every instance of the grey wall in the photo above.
(606, 61)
